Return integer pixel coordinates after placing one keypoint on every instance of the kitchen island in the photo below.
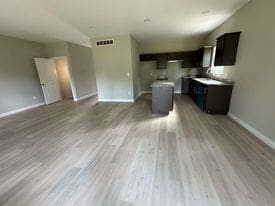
(162, 97)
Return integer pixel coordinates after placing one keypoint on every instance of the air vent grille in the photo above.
(105, 42)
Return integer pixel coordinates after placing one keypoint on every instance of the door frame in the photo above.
(70, 75)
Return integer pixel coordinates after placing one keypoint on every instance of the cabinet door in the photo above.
(199, 57)
(162, 62)
(189, 60)
(219, 52)
(201, 92)
(227, 46)
(218, 99)
(192, 89)
(230, 49)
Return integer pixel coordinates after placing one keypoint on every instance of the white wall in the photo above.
(253, 96)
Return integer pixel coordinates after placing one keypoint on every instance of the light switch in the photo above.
(128, 74)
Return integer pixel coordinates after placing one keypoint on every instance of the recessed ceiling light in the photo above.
(147, 20)
(91, 27)
(205, 12)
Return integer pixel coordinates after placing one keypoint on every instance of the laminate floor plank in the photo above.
(114, 154)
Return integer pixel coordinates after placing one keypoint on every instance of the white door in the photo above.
(48, 79)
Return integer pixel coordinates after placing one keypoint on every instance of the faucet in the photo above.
(209, 74)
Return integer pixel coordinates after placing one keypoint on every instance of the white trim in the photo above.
(21, 109)
(149, 92)
(138, 96)
(255, 132)
(146, 92)
(85, 97)
(116, 100)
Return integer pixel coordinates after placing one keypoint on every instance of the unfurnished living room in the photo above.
(138, 103)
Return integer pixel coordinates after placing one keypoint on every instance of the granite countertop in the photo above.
(163, 84)
(213, 82)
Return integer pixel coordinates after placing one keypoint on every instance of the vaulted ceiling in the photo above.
(79, 20)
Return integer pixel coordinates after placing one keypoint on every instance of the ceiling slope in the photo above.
(78, 21)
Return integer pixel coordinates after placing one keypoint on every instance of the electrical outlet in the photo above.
(33, 97)
(151, 73)
(129, 92)
(164, 73)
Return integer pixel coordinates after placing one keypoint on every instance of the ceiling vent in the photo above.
(106, 42)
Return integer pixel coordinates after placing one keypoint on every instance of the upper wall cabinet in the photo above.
(204, 57)
(189, 59)
(162, 61)
(226, 50)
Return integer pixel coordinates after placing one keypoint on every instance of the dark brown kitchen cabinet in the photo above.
(213, 99)
(218, 99)
(189, 59)
(226, 49)
(148, 57)
(204, 57)
(162, 62)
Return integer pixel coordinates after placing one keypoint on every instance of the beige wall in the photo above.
(57, 49)
(19, 80)
(172, 45)
(174, 72)
(253, 97)
(112, 64)
(82, 69)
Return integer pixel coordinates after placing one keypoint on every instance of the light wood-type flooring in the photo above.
(109, 154)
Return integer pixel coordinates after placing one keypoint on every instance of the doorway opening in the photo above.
(64, 78)
(55, 79)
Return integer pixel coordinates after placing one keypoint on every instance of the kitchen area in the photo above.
(189, 73)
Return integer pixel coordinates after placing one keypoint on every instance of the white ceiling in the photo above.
(69, 20)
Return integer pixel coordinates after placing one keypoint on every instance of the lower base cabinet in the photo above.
(213, 99)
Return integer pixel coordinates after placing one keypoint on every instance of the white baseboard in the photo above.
(149, 92)
(85, 97)
(21, 109)
(116, 100)
(146, 92)
(138, 96)
(255, 132)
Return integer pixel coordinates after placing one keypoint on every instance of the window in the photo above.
(216, 70)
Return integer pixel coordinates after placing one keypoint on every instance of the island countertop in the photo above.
(163, 84)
